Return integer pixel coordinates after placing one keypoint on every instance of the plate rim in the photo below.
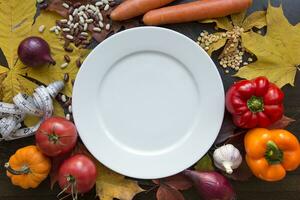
(148, 176)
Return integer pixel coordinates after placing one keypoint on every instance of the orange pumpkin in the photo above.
(28, 167)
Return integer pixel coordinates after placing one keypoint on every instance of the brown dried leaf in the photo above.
(282, 123)
(227, 129)
(115, 26)
(228, 49)
(165, 192)
(242, 173)
(56, 162)
(178, 182)
(56, 6)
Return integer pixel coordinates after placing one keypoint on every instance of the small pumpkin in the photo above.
(28, 167)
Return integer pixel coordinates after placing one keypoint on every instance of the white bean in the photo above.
(41, 28)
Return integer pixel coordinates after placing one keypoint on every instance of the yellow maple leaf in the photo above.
(111, 185)
(277, 52)
(17, 18)
(256, 19)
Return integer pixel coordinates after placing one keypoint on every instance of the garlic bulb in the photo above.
(227, 158)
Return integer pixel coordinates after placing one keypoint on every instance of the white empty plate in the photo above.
(148, 102)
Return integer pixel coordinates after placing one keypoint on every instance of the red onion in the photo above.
(211, 185)
(35, 51)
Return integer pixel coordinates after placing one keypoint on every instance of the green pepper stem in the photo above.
(255, 104)
(273, 154)
(24, 170)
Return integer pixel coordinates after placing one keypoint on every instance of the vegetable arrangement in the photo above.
(256, 105)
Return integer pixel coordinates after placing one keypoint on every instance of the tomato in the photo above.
(56, 136)
(77, 174)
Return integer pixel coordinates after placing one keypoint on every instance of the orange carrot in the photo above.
(132, 8)
(194, 11)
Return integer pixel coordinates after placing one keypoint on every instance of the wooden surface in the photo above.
(254, 189)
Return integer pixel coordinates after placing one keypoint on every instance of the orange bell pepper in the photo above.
(270, 153)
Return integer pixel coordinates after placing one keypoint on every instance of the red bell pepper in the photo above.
(254, 103)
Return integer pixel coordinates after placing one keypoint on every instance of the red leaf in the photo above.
(237, 140)
(56, 162)
(165, 192)
(227, 129)
(282, 123)
(178, 181)
(243, 173)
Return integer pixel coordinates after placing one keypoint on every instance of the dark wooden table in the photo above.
(254, 189)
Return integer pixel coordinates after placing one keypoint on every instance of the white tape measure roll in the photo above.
(40, 104)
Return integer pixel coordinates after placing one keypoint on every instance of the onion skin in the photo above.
(211, 185)
(34, 52)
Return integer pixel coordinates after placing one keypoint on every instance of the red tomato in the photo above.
(78, 172)
(56, 136)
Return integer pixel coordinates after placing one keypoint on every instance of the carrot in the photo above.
(194, 11)
(132, 8)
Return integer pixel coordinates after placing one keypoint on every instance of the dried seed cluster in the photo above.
(66, 103)
(82, 18)
(233, 53)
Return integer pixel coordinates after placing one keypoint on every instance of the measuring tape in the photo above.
(40, 104)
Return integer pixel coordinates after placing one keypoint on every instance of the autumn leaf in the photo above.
(242, 173)
(166, 192)
(282, 123)
(177, 181)
(17, 18)
(204, 164)
(227, 129)
(111, 185)
(230, 24)
(48, 74)
(277, 52)
(169, 187)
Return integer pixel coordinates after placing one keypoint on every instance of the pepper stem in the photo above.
(255, 104)
(273, 154)
(24, 170)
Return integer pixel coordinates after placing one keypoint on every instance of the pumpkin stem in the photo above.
(24, 170)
